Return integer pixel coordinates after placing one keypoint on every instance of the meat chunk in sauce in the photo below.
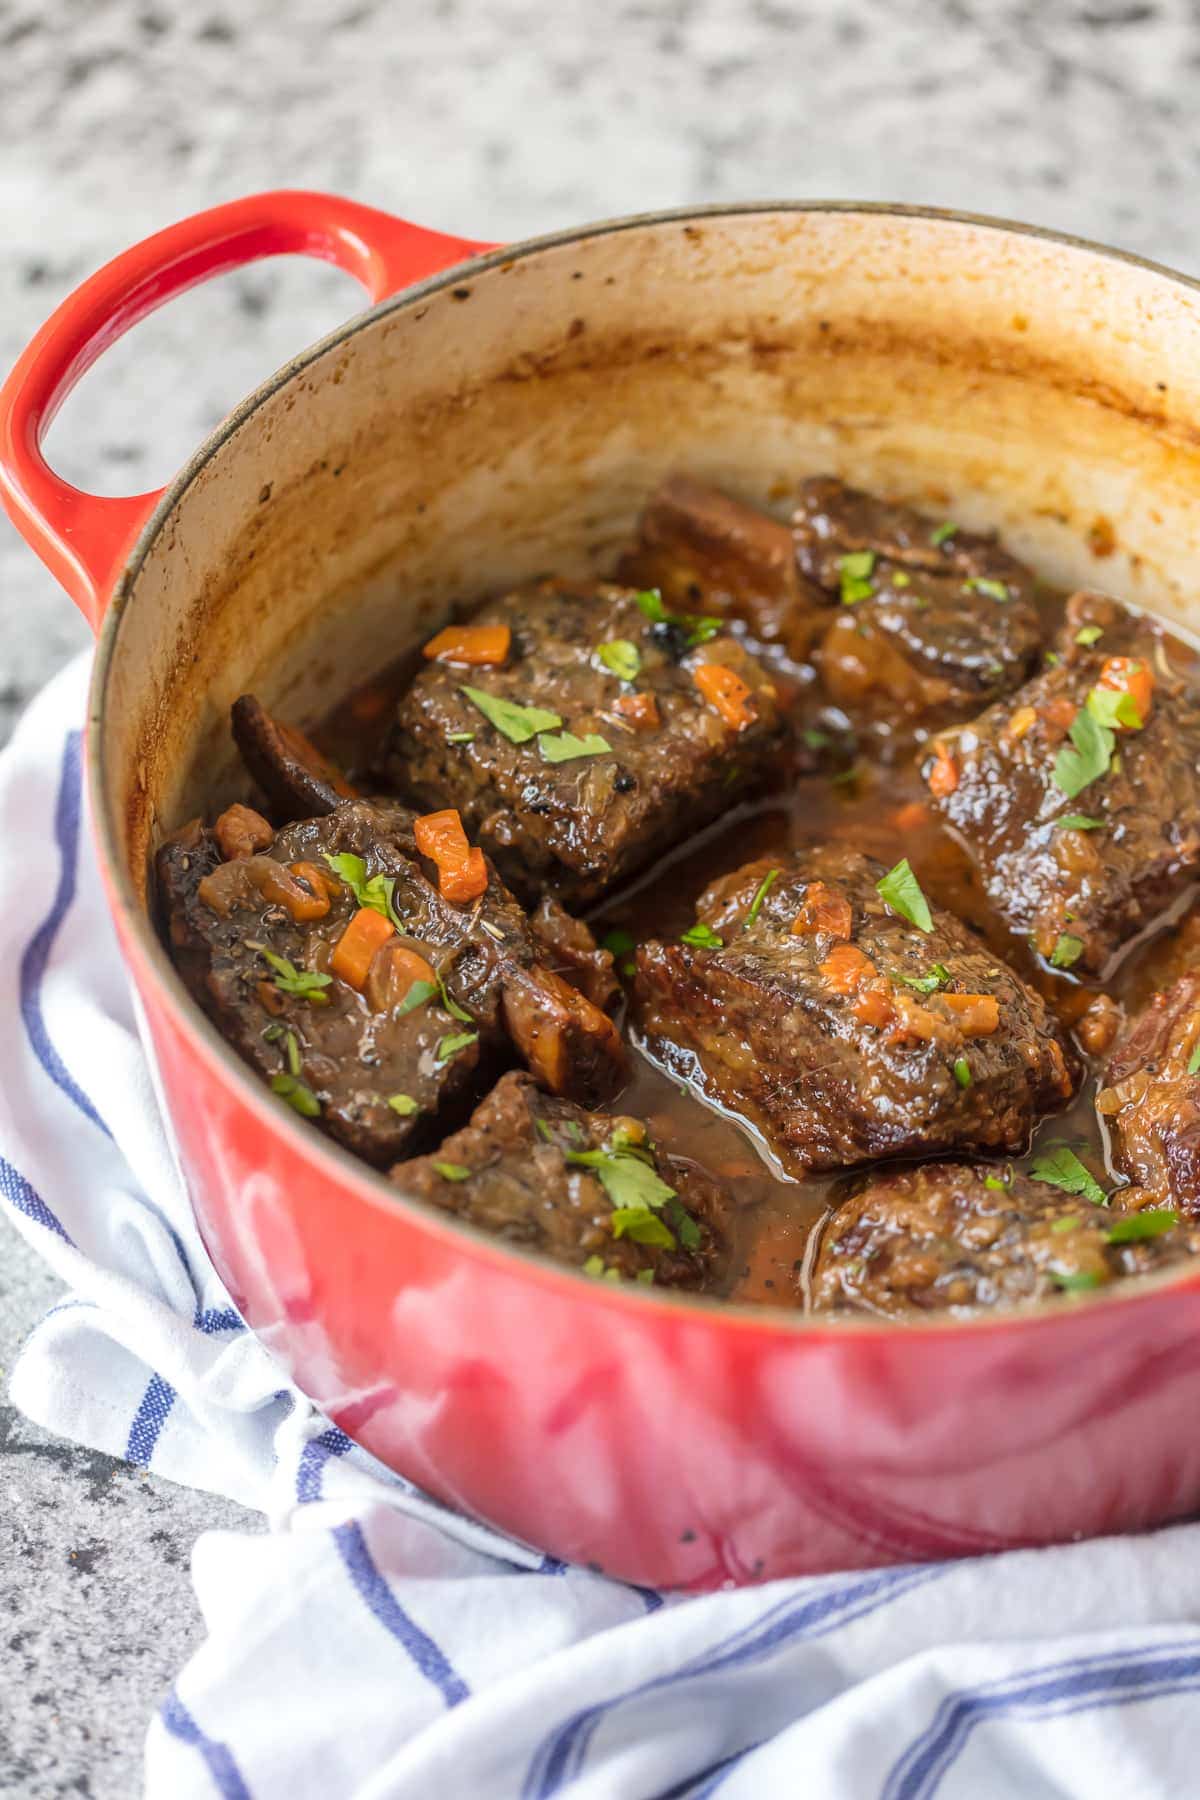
(956, 1237)
(386, 1048)
(584, 1187)
(1150, 1103)
(604, 737)
(298, 780)
(1084, 832)
(709, 553)
(931, 619)
(839, 1030)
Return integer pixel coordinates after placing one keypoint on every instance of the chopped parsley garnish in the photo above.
(452, 1171)
(997, 1183)
(1070, 1223)
(962, 1072)
(1067, 951)
(1061, 1168)
(900, 579)
(855, 572)
(452, 1007)
(404, 1104)
(460, 737)
(299, 1097)
(982, 584)
(1079, 1281)
(1078, 822)
(566, 746)
(702, 937)
(946, 530)
(760, 893)
(450, 1046)
(1086, 757)
(517, 723)
(621, 658)
(700, 630)
(377, 893)
(629, 1179)
(273, 1033)
(304, 983)
(902, 892)
(417, 995)
(291, 1049)
(814, 739)
(619, 941)
(1149, 1224)
(1112, 709)
(1052, 659)
(686, 1227)
(643, 1226)
(938, 977)
(1087, 635)
(1194, 1061)
(594, 1266)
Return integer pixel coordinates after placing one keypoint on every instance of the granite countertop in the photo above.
(494, 118)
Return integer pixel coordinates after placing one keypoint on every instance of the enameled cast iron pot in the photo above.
(494, 415)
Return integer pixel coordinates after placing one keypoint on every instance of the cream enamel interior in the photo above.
(508, 421)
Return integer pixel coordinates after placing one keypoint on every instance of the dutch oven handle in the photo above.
(82, 538)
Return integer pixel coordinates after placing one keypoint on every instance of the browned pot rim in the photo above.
(343, 1168)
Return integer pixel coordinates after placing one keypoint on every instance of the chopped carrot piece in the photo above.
(353, 953)
(943, 776)
(464, 881)
(462, 871)
(1060, 713)
(638, 710)
(279, 887)
(394, 970)
(976, 1015)
(321, 881)
(823, 910)
(1129, 675)
(911, 817)
(846, 969)
(727, 693)
(1022, 720)
(873, 1007)
(476, 646)
(240, 831)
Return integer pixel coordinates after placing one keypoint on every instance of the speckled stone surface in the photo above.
(495, 118)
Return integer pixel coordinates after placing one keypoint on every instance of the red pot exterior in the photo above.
(664, 1441)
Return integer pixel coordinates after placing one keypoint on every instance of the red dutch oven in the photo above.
(497, 413)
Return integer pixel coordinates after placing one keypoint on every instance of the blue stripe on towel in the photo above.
(149, 1420)
(379, 1598)
(561, 1755)
(218, 1757)
(37, 951)
(315, 1454)
(17, 1191)
(1110, 1678)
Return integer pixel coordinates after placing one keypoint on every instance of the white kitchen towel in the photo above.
(375, 1646)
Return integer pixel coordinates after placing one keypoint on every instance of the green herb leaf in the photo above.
(288, 978)
(450, 1046)
(1059, 1166)
(982, 584)
(1078, 822)
(1052, 659)
(1111, 709)
(1194, 1061)
(702, 937)
(686, 1228)
(700, 630)
(900, 579)
(619, 941)
(273, 1033)
(291, 1049)
(855, 572)
(566, 746)
(621, 657)
(301, 1098)
(643, 1226)
(962, 1072)
(417, 995)
(1149, 1224)
(517, 723)
(1077, 1282)
(460, 737)
(375, 893)
(1087, 635)
(944, 531)
(764, 887)
(404, 1104)
(452, 1171)
(902, 892)
(938, 977)
(1067, 1224)
(645, 1276)
(1087, 756)
(814, 739)
(626, 1178)
(452, 1007)
(1066, 952)
(594, 1266)
(996, 1183)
